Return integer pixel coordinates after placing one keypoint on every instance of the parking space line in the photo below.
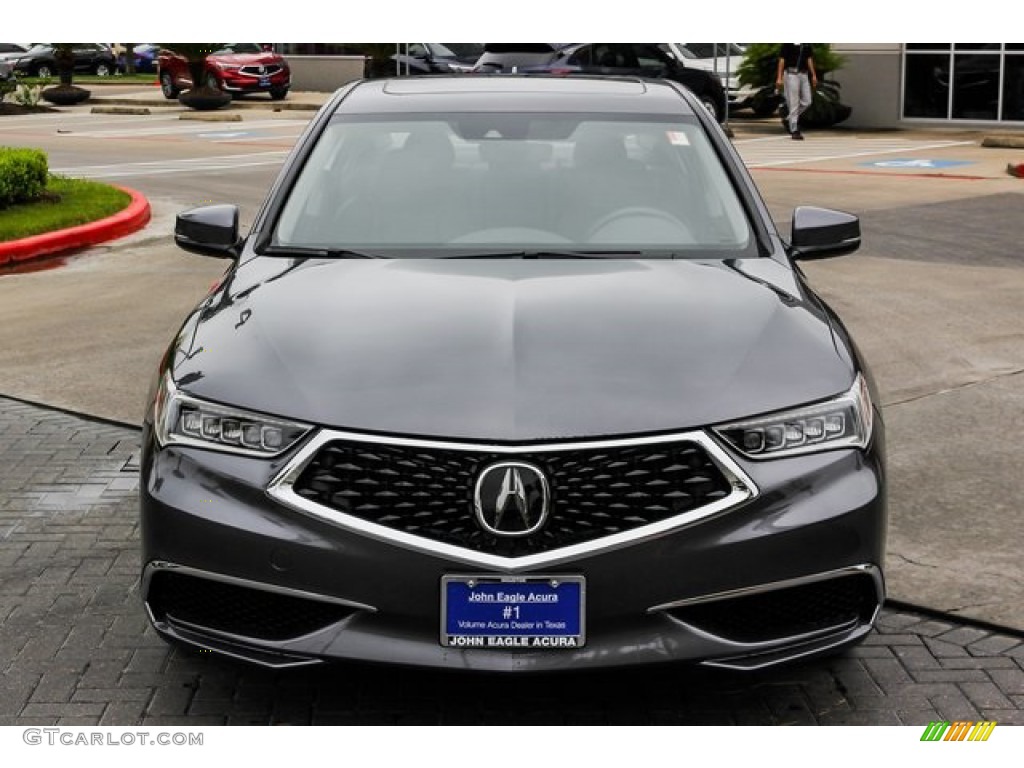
(183, 165)
(193, 128)
(778, 151)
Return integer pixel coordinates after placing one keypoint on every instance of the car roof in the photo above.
(514, 93)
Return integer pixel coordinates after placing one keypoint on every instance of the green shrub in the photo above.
(23, 175)
(761, 61)
(760, 67)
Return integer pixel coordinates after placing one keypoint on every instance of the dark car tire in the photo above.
(711, 106)
(215, 84)
(103, 69)
(277, 94)
(765, 103)
(43, 70)
(167, 87)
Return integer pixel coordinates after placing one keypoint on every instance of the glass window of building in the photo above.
(964, 81)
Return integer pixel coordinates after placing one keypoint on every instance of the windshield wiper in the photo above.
(547, 254)
(319, 253)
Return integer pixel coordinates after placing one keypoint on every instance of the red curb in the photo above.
(124, 222)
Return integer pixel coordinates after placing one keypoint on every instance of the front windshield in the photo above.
(711, 50)
(458, 50)
(239, 48)
(445, 184)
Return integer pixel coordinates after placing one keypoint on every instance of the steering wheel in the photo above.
(664, 227)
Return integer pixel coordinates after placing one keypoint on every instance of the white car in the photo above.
(713, 58)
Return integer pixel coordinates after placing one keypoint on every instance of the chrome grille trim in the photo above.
(156, 566)
(253, 70)
(282, 490)
(752, 647)
(872, 570)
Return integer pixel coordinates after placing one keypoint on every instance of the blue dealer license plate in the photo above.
(515, 612)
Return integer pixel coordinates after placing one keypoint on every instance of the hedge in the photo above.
(23, 175)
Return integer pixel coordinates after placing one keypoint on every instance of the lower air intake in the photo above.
(237, 610)
(788, 612)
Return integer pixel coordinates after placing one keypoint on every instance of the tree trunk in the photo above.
(197, 72)
(64, 53)
(129, 58)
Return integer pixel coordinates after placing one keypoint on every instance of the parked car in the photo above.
(723, 59)
(145, 58)
(40, 60)
(12, 51)
(513, 373)
(238, 68)
(7, 80)
(9, 52)
(614, 59)
(433, 58)
(517, 57)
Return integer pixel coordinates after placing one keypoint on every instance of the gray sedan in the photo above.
(513, 373)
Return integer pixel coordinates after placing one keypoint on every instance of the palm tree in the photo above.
(201, 95)
(65, 93)
(759, 67)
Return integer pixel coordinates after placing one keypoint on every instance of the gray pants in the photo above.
(797, 87)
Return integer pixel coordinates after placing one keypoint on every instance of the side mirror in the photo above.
(820, 233)
(209, 231)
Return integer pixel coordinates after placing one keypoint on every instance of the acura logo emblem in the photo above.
(511, 499)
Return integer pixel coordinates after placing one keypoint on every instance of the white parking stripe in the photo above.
(782, 150)
(264, 137)
(186, 165)
(187, 127)
(21, 122)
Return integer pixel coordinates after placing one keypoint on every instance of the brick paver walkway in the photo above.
(75, 648)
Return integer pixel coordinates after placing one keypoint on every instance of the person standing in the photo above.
(795, 77)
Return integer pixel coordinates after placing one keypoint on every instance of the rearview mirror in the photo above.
(209, 231)
(820, 233)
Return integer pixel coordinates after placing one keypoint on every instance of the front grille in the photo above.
(786, 612)
(595, 492)
(254, 70)
(238, 610)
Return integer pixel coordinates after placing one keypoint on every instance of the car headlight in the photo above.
(227, 67)
(842, 422)
(180, 419)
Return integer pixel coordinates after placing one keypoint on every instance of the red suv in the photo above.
(234, 67)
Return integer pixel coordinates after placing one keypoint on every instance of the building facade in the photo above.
(957, 84)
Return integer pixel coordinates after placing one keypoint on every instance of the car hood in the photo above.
(246, 59)
(511, 350)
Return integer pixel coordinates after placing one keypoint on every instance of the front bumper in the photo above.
(228, 568)
(239, 83)
(741, 96)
